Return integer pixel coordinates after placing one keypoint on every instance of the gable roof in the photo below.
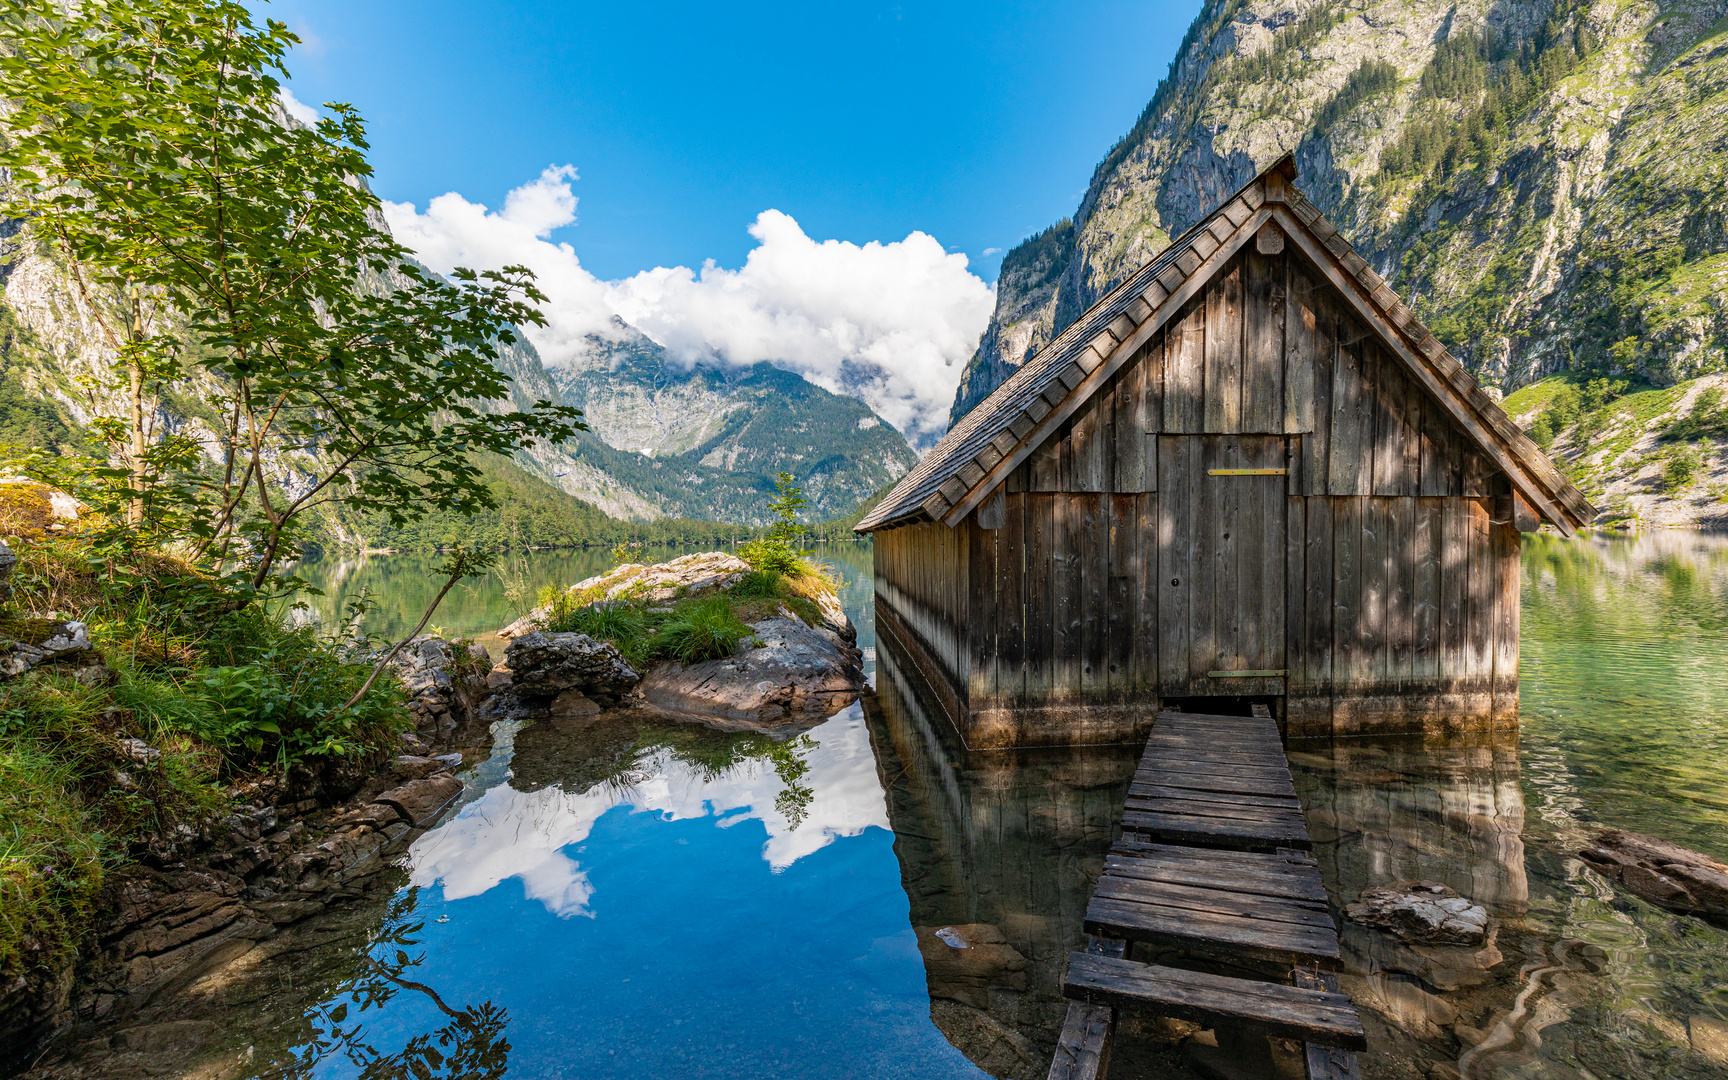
(999, 433)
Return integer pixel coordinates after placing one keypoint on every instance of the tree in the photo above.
(223, 247)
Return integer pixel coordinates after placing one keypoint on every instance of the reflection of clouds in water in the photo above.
(512, 834)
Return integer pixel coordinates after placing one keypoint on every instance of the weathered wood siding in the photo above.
(1117, 568)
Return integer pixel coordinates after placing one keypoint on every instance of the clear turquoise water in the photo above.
(635, 897)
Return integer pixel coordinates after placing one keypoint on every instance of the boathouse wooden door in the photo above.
(1221, 550)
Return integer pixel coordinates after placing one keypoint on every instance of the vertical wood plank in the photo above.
(1125, 568)
(1319, 574)
(1263, 343)
(1152, 383)
(1352, 418)
(1323, 355)
(1223, 377)
(1128, 424)
(981, 616)
(1479, 600)
(1348, 666)
(1295, 594)
(1145, 683)
(1372, 637)
(1401, 590)
(1044, 464)
(1410, 418)
(1094, 596)
(1184, 369)
(1300, 330)
(1011, 603)
(1388, 454)
(1454, 585)
(1508, 572)
(1175, 551)
(1426, 552)
(1040, 596)
(1090, 440)
(1207, 560)
(1068, 608)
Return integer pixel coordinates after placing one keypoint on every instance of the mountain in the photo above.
(704, 442)
(1542, 181)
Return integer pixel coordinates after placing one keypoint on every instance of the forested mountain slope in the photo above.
(1542, 179)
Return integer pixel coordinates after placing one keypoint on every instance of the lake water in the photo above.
(633, 897)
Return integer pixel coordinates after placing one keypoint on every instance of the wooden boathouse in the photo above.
(1248, 472)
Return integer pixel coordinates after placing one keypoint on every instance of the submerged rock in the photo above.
(1421, 913)
(657, 583)
(546, 665)
(1665, 874)
(789, 672)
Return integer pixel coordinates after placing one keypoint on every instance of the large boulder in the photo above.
(789, 672)
(658, 583)
(1665, 874)
(546, 665)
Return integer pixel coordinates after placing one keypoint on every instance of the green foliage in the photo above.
(528, 512)
(758, 585)
(1708, 418)
(705, 629)
(772, 557)
(1496, 82)
(144, 145)
(1680, 463)
(616, 621)
(1371, 79)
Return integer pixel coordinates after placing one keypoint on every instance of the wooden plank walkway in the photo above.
(1213, 866)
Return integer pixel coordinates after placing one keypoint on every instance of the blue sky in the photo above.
(976, 123)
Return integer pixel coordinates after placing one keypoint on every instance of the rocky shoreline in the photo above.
(300, 845)
(296, 846)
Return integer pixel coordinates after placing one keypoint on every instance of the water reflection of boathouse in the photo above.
(999, 852)
(1247, 471)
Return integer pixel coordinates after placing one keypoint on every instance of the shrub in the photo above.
(772, 557)
(758, 585)
(616, 621)
(706, 629)
(1679, 465)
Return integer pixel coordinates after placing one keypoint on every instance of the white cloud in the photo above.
(992, 251)
(298, 109)
(533, 836)
(890, 323)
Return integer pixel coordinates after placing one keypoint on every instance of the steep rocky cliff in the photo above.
(1542, 179)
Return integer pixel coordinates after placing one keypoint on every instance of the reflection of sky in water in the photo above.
(533, 836)
(719, 940)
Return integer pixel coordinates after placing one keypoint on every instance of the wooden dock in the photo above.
(1212, 868)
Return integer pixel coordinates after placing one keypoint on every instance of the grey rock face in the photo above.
(544, 665)
(1422, 913)
(1665, 874)
(47, 641)
(7, 561)
(792, 672)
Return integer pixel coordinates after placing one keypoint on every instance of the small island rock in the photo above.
(790, 672)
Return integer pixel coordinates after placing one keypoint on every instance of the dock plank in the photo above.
(1220, 936)
(1215, 901)
(1216, 832)
(1291, 1012)
(1294, 887)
